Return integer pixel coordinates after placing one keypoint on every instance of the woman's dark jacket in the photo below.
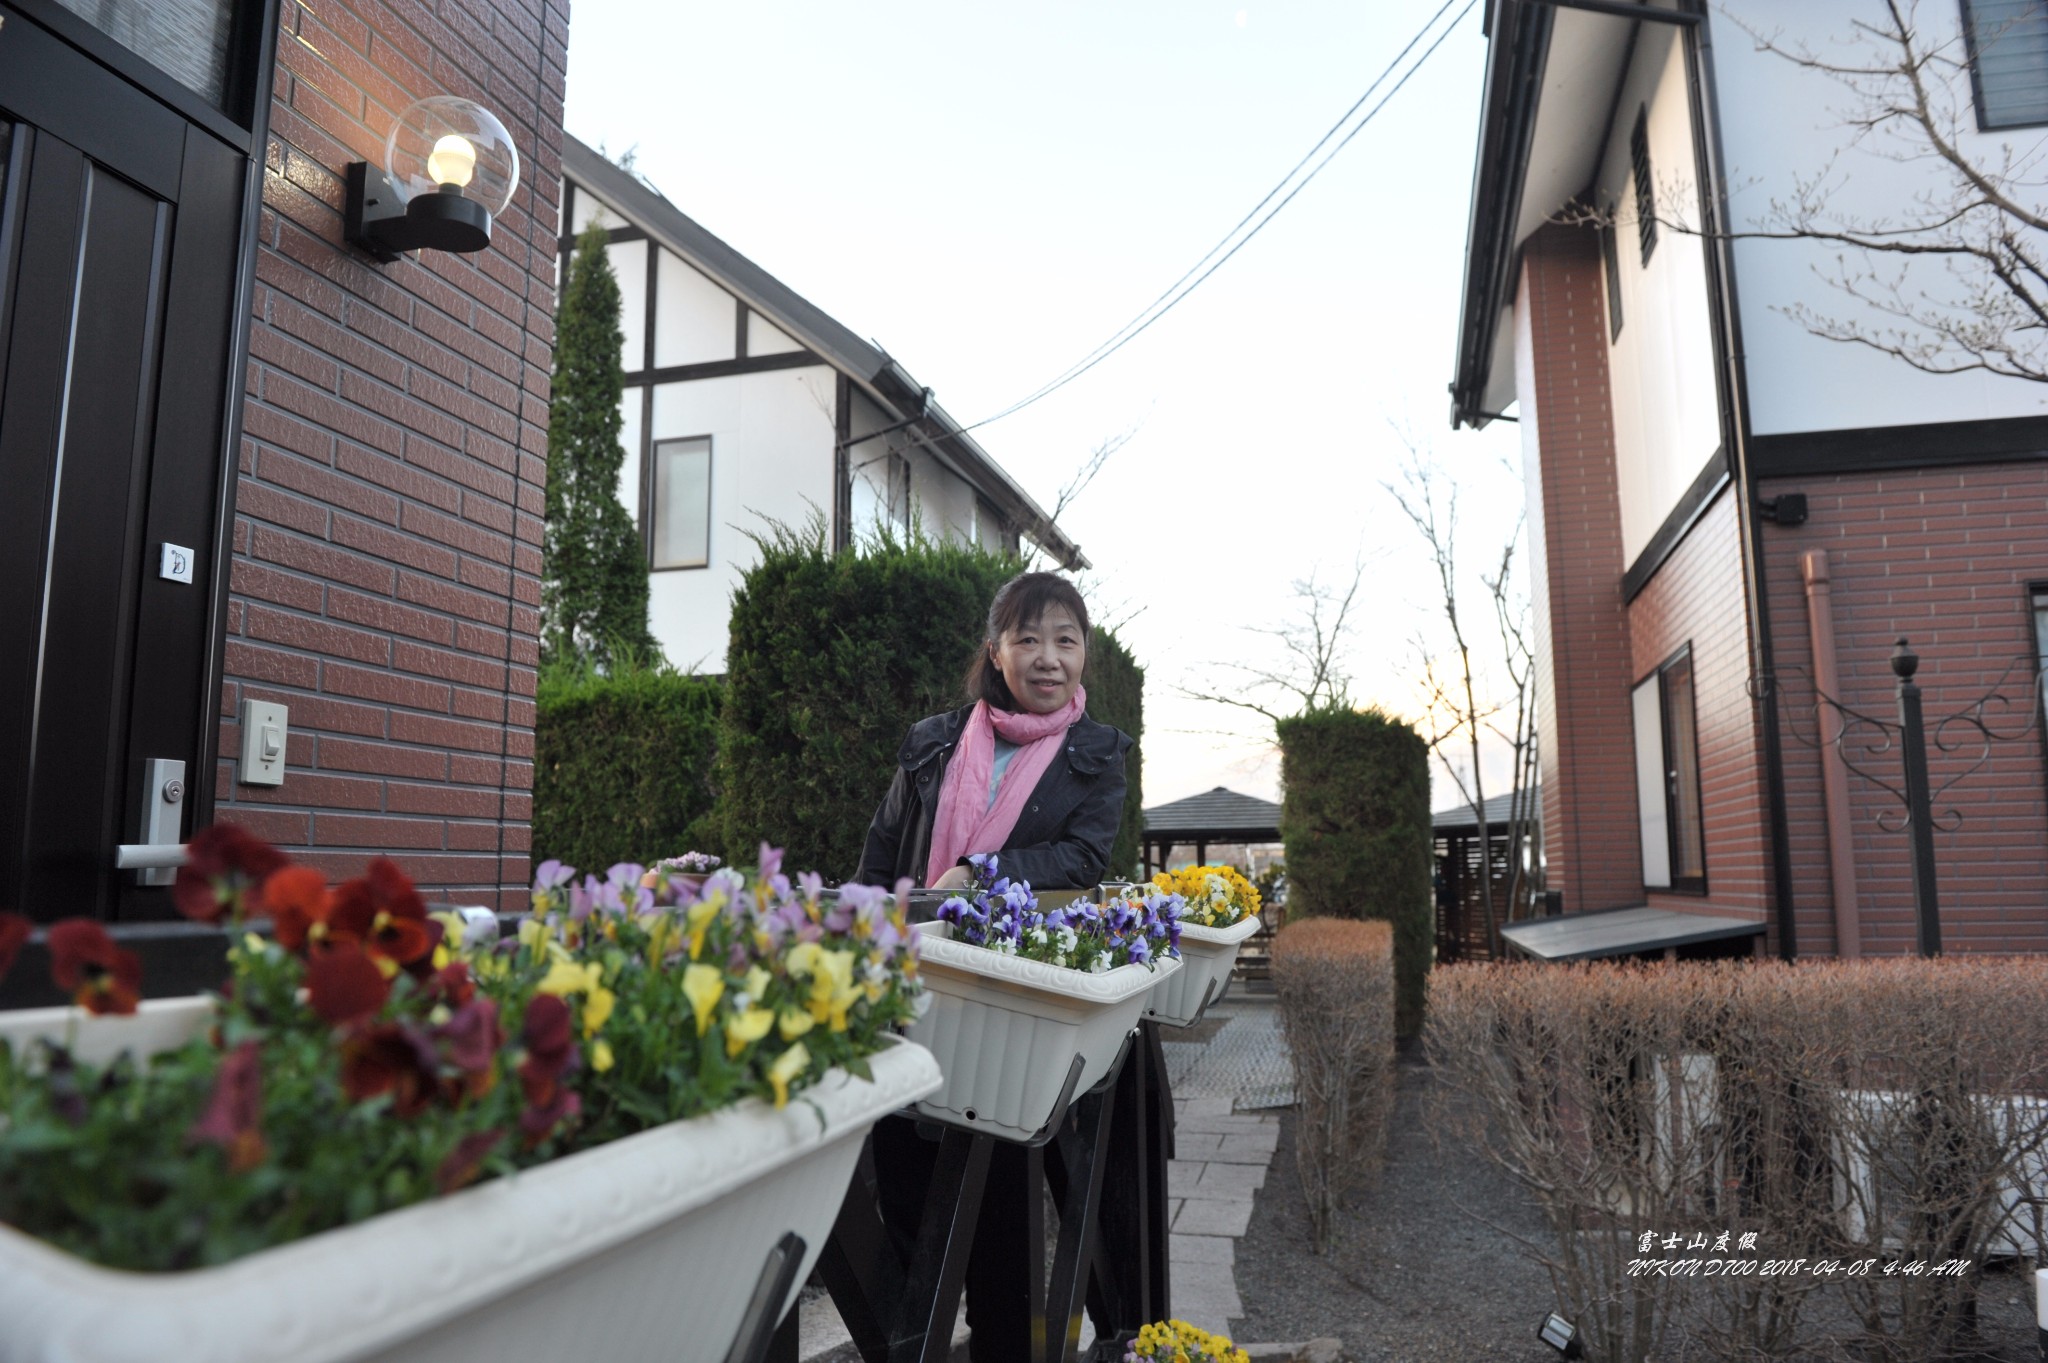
(1063, 837)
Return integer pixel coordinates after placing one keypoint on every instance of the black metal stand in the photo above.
(758, 1334)
(901, 1309)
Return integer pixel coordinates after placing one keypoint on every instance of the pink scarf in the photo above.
(966, 822)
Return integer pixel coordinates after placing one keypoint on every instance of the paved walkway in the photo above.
(1223, 1145)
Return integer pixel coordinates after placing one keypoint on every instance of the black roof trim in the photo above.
(1518, 46)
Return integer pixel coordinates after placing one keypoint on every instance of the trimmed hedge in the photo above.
(832, 658)
(622, 764)
(1116, 695)
(1355, 819)
(1335, 981)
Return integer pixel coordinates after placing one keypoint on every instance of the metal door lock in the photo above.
(174, 791)
(163, 788)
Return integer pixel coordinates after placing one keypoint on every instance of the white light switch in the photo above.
(176, 563)
(265, 726)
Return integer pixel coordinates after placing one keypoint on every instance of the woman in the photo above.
(1020, 771)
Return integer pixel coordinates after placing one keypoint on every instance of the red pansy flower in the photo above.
(550, 1053)
(385, 913)
(390, 1059)
(14, 931)
(235, 1111)
(99, 976)
(537, 1123)
(344, 985)
(224, 870)
(469, 1042)
(465, 1159)
(451, 985)
(300, 905)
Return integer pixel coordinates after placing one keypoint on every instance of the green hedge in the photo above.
(1116, 695)
(1355, 818)
(832, 657)
(622, 764)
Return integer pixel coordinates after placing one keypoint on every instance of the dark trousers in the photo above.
(998, 1302)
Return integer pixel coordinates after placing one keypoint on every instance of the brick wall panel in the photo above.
(377, 546)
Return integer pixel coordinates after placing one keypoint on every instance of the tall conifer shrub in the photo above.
(593, 569)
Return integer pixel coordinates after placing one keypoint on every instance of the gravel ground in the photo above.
(1417, 1276)
(1414, 1275)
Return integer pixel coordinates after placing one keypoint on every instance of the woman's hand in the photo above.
(957, 878)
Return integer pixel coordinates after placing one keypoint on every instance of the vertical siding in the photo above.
(386, 544)
(1697, 598)
(1943, 557)
(1587, 753)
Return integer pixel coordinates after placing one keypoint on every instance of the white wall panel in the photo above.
(588, 208)
(629, 263)
(629, 438)
(1780, 123)
(695, 321)
(771, 460)
(765, 338)
(1661, 368)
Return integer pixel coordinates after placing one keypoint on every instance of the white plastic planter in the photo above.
(646, 1248)
(1207, 955)
(1006, 1030)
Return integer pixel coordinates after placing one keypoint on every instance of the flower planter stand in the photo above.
(1016, 1038)
(1207, 956)
(1119, 1133)
(684, 1242)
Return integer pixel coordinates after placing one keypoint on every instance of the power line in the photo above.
(1175, 292)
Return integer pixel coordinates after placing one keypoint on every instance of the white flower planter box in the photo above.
(645, 1248)
(1006, 1030)
(1207, 955)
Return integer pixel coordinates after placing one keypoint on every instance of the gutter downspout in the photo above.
(1834, 772)
(1699, 67)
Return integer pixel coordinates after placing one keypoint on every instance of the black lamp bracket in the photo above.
(378, 218)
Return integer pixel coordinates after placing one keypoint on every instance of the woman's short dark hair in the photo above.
(1021, 601)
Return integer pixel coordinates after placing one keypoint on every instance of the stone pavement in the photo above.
(1223, 1146)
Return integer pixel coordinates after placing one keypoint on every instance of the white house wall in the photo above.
(629, 263)
(1779, 123)
(1661, 367)
(765, 338)
(694, 322)
(771, 460)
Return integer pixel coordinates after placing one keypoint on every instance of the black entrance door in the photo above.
(119, 225)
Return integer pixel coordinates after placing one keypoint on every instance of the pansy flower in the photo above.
(234, 1111)
(385, 913)
(225, 868)
(466, 1160)
(14, 932)
(343, 985)
(393, 1059)
(100, 976)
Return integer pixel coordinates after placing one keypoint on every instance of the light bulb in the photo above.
(452, 161)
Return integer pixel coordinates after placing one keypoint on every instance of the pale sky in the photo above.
(990, 190)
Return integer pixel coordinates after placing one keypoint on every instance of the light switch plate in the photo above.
(176, 563)
(265, 731)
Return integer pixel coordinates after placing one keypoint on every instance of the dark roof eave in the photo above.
(1518, 45)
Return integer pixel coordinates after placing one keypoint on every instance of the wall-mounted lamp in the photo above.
(449, 168)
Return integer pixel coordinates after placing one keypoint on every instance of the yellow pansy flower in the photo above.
(451, 927)
(788, 1066)
(700, 917)
(744, 1030)
(803, 958)
(703, 986)
(758, 981)
(597, 1007)
(601, 1055)
(570, 977)
(794, 1024)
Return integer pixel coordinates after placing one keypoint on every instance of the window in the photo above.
(2008, 42)
(1612, 256)
(2041, 644)
(1646, 183)
(682, 503)
(186, 38)
(1668, 779)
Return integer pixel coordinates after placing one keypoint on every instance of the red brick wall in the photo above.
(1943, 557)
(1587, 752)
(1696, 598)
(386, 542)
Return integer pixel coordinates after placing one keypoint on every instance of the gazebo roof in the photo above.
(1217, 815)
(1498, 809)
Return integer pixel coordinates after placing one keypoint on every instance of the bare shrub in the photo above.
(1875, 1113)
(1335, 979)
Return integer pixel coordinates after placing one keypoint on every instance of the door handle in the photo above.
(149, 856)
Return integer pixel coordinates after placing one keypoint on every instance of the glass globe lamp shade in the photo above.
(449, 145)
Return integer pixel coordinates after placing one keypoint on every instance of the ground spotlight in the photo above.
(1561, 1335)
